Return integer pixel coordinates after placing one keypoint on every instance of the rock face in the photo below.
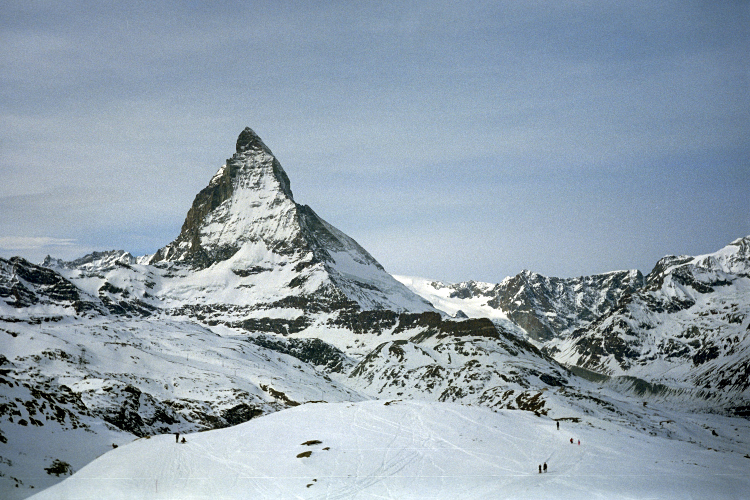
(247, 217)
(543, 307)
(688, 328)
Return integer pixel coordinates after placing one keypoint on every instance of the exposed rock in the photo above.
(691, 319)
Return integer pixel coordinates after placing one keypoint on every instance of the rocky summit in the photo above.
(247, 201)
(246, 222)
(260, 305)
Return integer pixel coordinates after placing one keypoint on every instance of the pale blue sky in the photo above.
(453, 140)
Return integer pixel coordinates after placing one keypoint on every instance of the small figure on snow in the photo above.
(176, 437)
(545, 466)
(571, 440)
(579, 442)
(558, 426)
(183, 441)
(540, 468)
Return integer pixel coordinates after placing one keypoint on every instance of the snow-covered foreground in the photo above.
(400, 449)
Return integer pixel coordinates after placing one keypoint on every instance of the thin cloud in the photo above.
(421, 115)
(27, 243)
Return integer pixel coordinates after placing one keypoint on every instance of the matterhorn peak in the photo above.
(248, 140)
(247, 200)
(247, 217)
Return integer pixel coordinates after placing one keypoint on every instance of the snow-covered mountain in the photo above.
(688, 328)
(246, 231)
(257, 305)
(682, 331)
(542, 307)
(260, 305)
(74, 386)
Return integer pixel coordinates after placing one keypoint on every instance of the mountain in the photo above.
(680, 332)
(259, 306)
(74, 382)
(246, 227)
(543, 307)
(687, 329)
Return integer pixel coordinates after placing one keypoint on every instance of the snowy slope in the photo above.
(400, 450)
(70, 389)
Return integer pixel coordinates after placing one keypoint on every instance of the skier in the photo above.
(176, 437)
(558, 426)
(545, 466)
(579, 442)
(571, 440)
(183, 441)
(540, 468)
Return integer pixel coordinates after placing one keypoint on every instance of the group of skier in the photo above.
(544, 467)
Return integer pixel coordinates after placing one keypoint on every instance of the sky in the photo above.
(453, 140)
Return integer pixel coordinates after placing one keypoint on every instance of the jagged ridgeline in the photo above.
(681, 333)
(259, 305)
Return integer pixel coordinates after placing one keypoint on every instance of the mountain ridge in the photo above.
(259, 305)
(683, 329)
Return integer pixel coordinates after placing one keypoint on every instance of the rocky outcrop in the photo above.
(313, 351)
(23, 284)
(687, 328)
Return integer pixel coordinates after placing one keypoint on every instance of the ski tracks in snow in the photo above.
(391, 458)
(432, 450)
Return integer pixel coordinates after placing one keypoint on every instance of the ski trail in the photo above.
(243, 470)
(524, 448)
(393, 457)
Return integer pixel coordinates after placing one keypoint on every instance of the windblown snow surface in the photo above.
(400, 450)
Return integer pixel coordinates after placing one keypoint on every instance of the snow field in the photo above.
(404, 450)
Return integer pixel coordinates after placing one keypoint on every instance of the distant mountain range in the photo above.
(259, 304)
(684, 328)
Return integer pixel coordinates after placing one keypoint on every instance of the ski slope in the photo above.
(401, 450)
